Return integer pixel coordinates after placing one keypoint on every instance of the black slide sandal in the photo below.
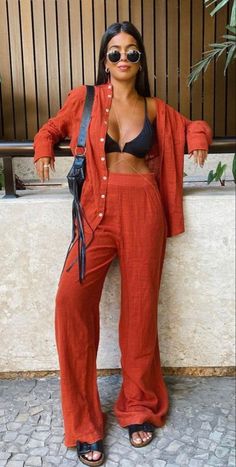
(83, 448)
(146, 426)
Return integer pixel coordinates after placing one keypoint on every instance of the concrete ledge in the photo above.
(196, 306)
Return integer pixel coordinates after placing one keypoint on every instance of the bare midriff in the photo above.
(125, 163)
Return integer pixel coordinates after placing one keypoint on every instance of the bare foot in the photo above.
(139, 436)
(93, 455)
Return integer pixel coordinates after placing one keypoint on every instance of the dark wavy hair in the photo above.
(142, 82)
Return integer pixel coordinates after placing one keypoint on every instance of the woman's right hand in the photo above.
(42, 166)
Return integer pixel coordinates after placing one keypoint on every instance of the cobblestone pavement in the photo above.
(199, 432)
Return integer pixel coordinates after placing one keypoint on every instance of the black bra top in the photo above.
(140, 145)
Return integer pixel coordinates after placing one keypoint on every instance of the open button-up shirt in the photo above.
(166, 158)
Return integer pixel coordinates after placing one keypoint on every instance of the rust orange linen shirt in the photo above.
(166, 158)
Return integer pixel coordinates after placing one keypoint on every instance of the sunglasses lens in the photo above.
(114, 56)
(133, 56)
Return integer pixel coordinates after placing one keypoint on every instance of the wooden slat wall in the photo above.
(51, 46)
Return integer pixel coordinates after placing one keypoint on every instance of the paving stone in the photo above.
(204, 443)
(199, 432)
(36, 410)
(182, 459)
(159, 463)
(15, 463)
(22, 417)
(215, 461)
(228, 442)
(41, 435)
(5, 455)
(195, 463)
(216, 436)
(126, 463)
(19, 457)
(231, 461)
(221, 452)
(206, 426)
(34, 461)
(39, 451)
(21, 439)
(13, 426)
(174, 446)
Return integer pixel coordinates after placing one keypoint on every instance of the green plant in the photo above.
(217, 175)
(229, 46)
(220, 171)
(234, 168)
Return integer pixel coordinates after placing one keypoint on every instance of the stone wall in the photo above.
(196, 306)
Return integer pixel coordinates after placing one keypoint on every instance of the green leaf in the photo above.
(229, 36)
(233, 15)
(219, 171)
(218, 7)
(230, 57)
(210, 177)
(234, 168)
(231, 28)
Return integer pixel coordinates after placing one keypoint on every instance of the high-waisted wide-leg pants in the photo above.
(134, 229)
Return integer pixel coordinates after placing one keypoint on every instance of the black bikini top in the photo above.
(140, 145)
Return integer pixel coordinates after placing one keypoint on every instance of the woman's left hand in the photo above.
(200, 155)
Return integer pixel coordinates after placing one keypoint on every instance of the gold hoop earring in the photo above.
(107, 70)
(140, 67)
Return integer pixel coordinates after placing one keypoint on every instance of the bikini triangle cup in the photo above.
(139, 146)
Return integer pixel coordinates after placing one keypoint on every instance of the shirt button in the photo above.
(102, 139)
(104, 177)
(100, 214)
(109, 87)
(103, 159)
(102, 196)
(109, 95)
(107, 110)
(105, 122)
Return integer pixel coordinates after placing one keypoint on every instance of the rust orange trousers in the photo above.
(134, 229)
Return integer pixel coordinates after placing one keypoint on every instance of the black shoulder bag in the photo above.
(76, 177)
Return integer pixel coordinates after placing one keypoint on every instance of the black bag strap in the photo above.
(86, 116)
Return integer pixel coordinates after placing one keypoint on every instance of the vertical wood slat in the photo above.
(111, 12)
(88, 47)
(148, 34)
(52, 57)
(184, 53)
(5, 72)
(64, 49)
(123, 11)
(40, 61)
(99, 22)
(75, 40)
(172, 46)
(160, 49)
(196, 47)
(28, 64)
(17, 69)
(136, 14)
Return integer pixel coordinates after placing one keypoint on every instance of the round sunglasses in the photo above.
(132, 56)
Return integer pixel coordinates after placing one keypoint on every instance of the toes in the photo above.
(96, 455)
(140, 436)
(93, 455)
(136, 438)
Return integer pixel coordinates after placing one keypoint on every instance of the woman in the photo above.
(132, 201)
